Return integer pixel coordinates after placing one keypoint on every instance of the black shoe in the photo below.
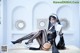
(32, 48)
(26, 43)
(13, 42)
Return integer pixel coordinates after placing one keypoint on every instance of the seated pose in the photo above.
(44, 36)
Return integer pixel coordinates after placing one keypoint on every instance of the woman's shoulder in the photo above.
(59, 25)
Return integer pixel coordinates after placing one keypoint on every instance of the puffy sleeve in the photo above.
(58, 28)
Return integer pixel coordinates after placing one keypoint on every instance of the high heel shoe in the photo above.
(14, 42)
(29, 42)
(33, 48)
(26, 43)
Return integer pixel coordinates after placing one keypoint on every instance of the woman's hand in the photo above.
(49, 32)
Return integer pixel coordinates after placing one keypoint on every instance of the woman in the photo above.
(43, 36)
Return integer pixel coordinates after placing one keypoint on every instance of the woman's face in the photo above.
(53, 21)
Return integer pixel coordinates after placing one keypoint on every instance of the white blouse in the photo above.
(58, 28)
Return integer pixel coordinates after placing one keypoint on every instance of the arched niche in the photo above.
(65, 15)
(41, 10)
(18, 13)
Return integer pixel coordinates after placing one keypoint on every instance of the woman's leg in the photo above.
(42, 38)
(33, 37)
(23, 38)
(39, 41)
(51, 38)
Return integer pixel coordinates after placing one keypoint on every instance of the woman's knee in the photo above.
(41, 30)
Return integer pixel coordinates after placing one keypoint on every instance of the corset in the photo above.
(51, 36)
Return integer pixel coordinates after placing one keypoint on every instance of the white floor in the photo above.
(70, 49)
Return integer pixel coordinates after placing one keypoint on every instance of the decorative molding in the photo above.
(13, 12)
(61, 8)
(64, 13)
(20, 24)
(65, 23)
(33, 10)
(42, 23)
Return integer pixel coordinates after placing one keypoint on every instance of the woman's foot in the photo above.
(26, 43)
(32, 48)
(14, 42)
(29, 42)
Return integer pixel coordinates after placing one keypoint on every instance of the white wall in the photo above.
(0, 26)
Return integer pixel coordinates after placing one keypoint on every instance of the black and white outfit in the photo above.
(44, 36)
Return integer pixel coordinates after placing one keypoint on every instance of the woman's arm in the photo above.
(49, 32)
(60, 32)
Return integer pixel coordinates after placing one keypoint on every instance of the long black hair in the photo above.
(49, 25)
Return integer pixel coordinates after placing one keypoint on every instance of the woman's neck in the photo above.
(53, 24)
